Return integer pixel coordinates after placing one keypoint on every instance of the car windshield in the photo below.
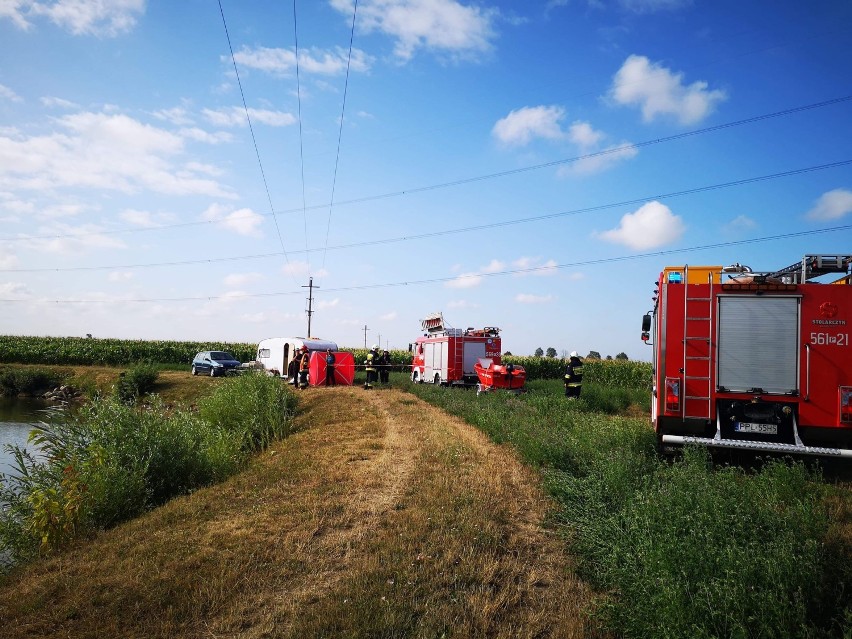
(221, 356)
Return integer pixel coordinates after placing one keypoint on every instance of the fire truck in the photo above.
(757, 361)
(447, 356)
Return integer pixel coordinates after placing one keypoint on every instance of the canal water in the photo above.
(17, 416)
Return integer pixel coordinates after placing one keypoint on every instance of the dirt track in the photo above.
(383, 516)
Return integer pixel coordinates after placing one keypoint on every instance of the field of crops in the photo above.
(117, 352)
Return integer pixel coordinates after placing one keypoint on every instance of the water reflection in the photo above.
(17, 416)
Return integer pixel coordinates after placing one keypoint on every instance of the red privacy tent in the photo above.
(344, 368)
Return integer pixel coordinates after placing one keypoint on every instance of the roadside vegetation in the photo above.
(682, 548)
(16, 380)
(114, 459)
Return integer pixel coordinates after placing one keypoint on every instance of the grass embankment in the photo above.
(110, 461)
(380, 517)
(683, 548)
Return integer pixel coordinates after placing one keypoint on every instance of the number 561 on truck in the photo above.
(751, 360)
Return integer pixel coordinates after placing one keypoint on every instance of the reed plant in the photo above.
(111, 461)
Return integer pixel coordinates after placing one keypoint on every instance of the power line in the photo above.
(439, 280)
(535, 167)
(339, 133)
(253, 138)
(301, 142)
(467, 229)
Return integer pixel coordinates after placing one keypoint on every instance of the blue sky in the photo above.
(531, 166)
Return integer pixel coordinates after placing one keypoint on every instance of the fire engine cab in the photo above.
(447, 356)
(754, 360)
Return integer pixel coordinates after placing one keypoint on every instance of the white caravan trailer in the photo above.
(275, 353)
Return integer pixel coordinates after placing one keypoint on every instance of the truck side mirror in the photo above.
(646, 336)
(646, 323)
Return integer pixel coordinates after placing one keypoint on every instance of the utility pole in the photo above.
(310, 310)
(365, 335)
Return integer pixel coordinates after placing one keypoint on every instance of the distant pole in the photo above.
(380, 340)
(365, 335)
(310, 310)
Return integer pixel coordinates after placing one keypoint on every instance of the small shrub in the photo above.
(28, 381)
(138, 381)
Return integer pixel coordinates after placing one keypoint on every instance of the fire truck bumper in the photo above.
(681, 440)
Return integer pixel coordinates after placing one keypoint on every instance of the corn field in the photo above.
(82, 351)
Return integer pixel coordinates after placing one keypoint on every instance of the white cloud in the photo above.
(98, 150)
(602, 160)
(584, 135)
(236, 116)
(59, 103)
(659, 91)
(466, 280)
(64, 238)
(832, 205)
(527, 298)
(494, 266)
(311, 60)
(739, 224)
(652, 225)
(242, 221)
(138, 218)
(534, 266)
(14, 289)
(178, 116)
(389, 317)
(328, 303)
(236, 280)
(5, 92)
(200, 135)
(120, 276)
(523, 125)
(444, 26)
(81, 17)
(8, 260)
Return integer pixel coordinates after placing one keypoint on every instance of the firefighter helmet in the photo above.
(574, 354)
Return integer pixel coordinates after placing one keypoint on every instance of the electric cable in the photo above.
(301, 142)
(339, 134)
(467, 229)
(463, 181)
(251, 130)
(439, 280)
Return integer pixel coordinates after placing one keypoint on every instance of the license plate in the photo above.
(750, 427)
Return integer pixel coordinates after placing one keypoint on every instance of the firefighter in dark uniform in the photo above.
(573, 376)
(329, 369)
(304, 367)
(370, 366)
(384, 367)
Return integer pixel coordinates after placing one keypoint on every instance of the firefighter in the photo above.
(329, 369)
(573, 376)
(293, 369)
(370, 366)
(304, 366)
(384, 367)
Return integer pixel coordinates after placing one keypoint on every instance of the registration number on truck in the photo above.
(751, 427)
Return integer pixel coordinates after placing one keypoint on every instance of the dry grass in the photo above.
(382, 517)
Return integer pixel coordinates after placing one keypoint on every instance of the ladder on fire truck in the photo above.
(812, 266)
(458, 357)
(697, 361)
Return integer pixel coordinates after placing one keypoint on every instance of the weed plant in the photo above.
(110, 461)
(678, 548)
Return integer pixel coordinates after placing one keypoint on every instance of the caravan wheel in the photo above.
(415, 377)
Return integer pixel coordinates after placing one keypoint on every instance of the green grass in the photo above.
(678, 548)
(111, 461)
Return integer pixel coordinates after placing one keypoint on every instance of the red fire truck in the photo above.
(754, 361)
(448, 356)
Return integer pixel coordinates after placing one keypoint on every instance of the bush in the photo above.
(28, 381)
(111, 461)
(136, 382)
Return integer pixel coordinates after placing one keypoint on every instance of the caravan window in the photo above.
(263, 353)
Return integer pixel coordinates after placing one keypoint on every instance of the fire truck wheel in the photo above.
(415, 377)
(437, 379)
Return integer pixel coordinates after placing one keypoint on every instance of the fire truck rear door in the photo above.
(758, 343)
